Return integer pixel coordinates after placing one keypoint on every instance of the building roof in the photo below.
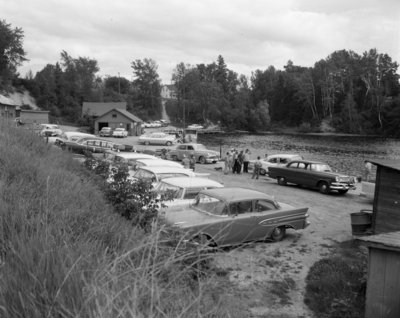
(387, 241)
(124, 113)
(7, 101)
(35, 111)
(393, 164)
(98, 109)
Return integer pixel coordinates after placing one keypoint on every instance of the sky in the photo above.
(249, 34)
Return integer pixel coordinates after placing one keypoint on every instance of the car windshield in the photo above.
(173, 192)
(207, 204)
(321, 167)
(200, 147)
(119, 129)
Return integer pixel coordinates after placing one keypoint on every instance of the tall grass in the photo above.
(65, 253)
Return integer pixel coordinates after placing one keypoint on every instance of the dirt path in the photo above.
(270, 277)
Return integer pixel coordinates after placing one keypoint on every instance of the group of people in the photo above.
(189, 163)
(236, 160)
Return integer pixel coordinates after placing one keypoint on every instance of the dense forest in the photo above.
(345, 91)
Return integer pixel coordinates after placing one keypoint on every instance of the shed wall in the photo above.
(383, 288)
(387, 201)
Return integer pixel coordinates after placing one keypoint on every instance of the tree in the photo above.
(147, 87)
(12, 53)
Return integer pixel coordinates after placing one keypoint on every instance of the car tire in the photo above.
(263, 172)
(202, 160)
(342, 191)
(204, 241)
(146, 143)
(282, 181)
(174, 158)
(278, 234)
(324, 187)
(169, 143)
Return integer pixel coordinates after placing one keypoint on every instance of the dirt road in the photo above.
(263, 272)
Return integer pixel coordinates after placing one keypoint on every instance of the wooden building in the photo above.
(7, 108)
(96, 109)
(386, 206)
(28, 116)
(119, 118)
(383, 282)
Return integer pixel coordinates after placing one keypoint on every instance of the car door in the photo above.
(240, 225)
(293, 170)
(181, 151)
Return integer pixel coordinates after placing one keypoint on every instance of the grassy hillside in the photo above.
(65, 253)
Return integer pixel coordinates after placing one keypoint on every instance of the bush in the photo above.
(336, 285)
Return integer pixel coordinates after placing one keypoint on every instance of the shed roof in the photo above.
(387, 241)
(124, 113)
(6, 101)
(98, 109)
(393, 164)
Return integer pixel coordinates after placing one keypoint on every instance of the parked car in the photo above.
(106, 132)
(158, 138)
(274, 161)
(201, 153)
(120, 133)
(156, 163)
(231, 216)
(50, 130)
(156, 174)
(182, 190)
(95, 145)
(130, 158)
(195, 126)
(70, 136)
(312, 174)
(164, 122)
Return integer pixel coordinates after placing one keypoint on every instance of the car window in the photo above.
(264, 205)
(284, 160)
(211, 205)
(273, 160)
(190, 148)
(293, 165)
(302, 165)
(192, 193)
(171, 175)
(240, 207)
(182, 147)
(144, 174)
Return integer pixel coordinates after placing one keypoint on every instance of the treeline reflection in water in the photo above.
(343, 153)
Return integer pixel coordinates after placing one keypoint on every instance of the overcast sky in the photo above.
(249, 34)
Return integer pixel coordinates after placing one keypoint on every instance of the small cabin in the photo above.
(386, 205)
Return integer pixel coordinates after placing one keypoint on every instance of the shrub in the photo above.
(336, 285)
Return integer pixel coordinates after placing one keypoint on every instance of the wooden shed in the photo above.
(116, 118)
(28, 116)
(383, 283)
(386, 206)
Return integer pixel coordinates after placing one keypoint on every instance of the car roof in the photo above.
(284, 155)
(309, 161)
(151, 161)
(192, 182)
(236, 194)
(156, 169)
(134, 155)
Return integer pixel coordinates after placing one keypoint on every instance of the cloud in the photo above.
(249, 35)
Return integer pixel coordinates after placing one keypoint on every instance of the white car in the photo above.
(156, 174)
(158, 138)
(183, 191)
(274, 161)
(156, 163)
(195, 126)
(50, 130)
(120, 132)
(130, 158)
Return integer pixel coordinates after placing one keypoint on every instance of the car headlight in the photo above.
(337, 179)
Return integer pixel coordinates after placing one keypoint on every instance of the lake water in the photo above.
(343, 153)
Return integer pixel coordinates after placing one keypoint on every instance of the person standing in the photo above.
(257, 167)
(186, 162)
(192, 162)
(240, 162)
(368, 170)
(246, 160)
(228, 162)
(234, 161)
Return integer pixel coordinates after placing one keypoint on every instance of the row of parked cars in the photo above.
(109, 132)
(207, 212)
